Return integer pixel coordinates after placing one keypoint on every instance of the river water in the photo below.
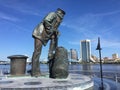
(110, 71)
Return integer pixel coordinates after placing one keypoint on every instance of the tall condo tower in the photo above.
(85, 50)
(74, 54)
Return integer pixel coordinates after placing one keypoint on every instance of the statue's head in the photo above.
(60, 13)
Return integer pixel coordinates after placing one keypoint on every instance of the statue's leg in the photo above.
(53, 45)
(35, 57)
(52, 48)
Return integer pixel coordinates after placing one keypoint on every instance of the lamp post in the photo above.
(99, 48)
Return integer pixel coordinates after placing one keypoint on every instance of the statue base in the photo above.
(73, 82)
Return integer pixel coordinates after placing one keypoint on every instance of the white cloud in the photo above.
(92, 26)
(110, 43)
(91, 22)
(20, 6)
(74, 42)
(8, 17)
(107, 13)
(84, 26)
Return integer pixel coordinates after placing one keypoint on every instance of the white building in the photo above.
(85, 46)
(73, 54)
(115, 56)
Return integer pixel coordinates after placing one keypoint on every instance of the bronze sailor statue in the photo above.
(43, 32)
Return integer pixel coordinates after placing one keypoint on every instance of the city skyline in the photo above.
(87, 19)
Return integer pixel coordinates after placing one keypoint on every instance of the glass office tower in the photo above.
(85, 51)
(86, 56)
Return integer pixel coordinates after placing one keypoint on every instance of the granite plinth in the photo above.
(73, 82)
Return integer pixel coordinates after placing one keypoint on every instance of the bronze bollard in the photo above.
(17, 64)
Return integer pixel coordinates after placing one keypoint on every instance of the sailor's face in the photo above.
(60, 13)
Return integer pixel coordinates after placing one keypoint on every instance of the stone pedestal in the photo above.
(17, 64)
(73, 82)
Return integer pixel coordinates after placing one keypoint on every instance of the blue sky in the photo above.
(84, 19)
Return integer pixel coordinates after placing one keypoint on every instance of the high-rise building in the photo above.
(85, 51)
(115, 56)
(74, 54)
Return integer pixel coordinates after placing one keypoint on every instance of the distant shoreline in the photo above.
(71, 63)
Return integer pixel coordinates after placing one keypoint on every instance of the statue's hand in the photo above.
(50, 56)
(53, 30)
(57, 33)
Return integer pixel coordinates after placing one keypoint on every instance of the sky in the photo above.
(84, 19)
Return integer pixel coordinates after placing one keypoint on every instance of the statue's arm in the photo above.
(49, 21)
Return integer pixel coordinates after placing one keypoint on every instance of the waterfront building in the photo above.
(106, 58)
(115, 56)
(4, 62)
(94, 58)
(85, 46)
(73, 54)
(69, 56)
